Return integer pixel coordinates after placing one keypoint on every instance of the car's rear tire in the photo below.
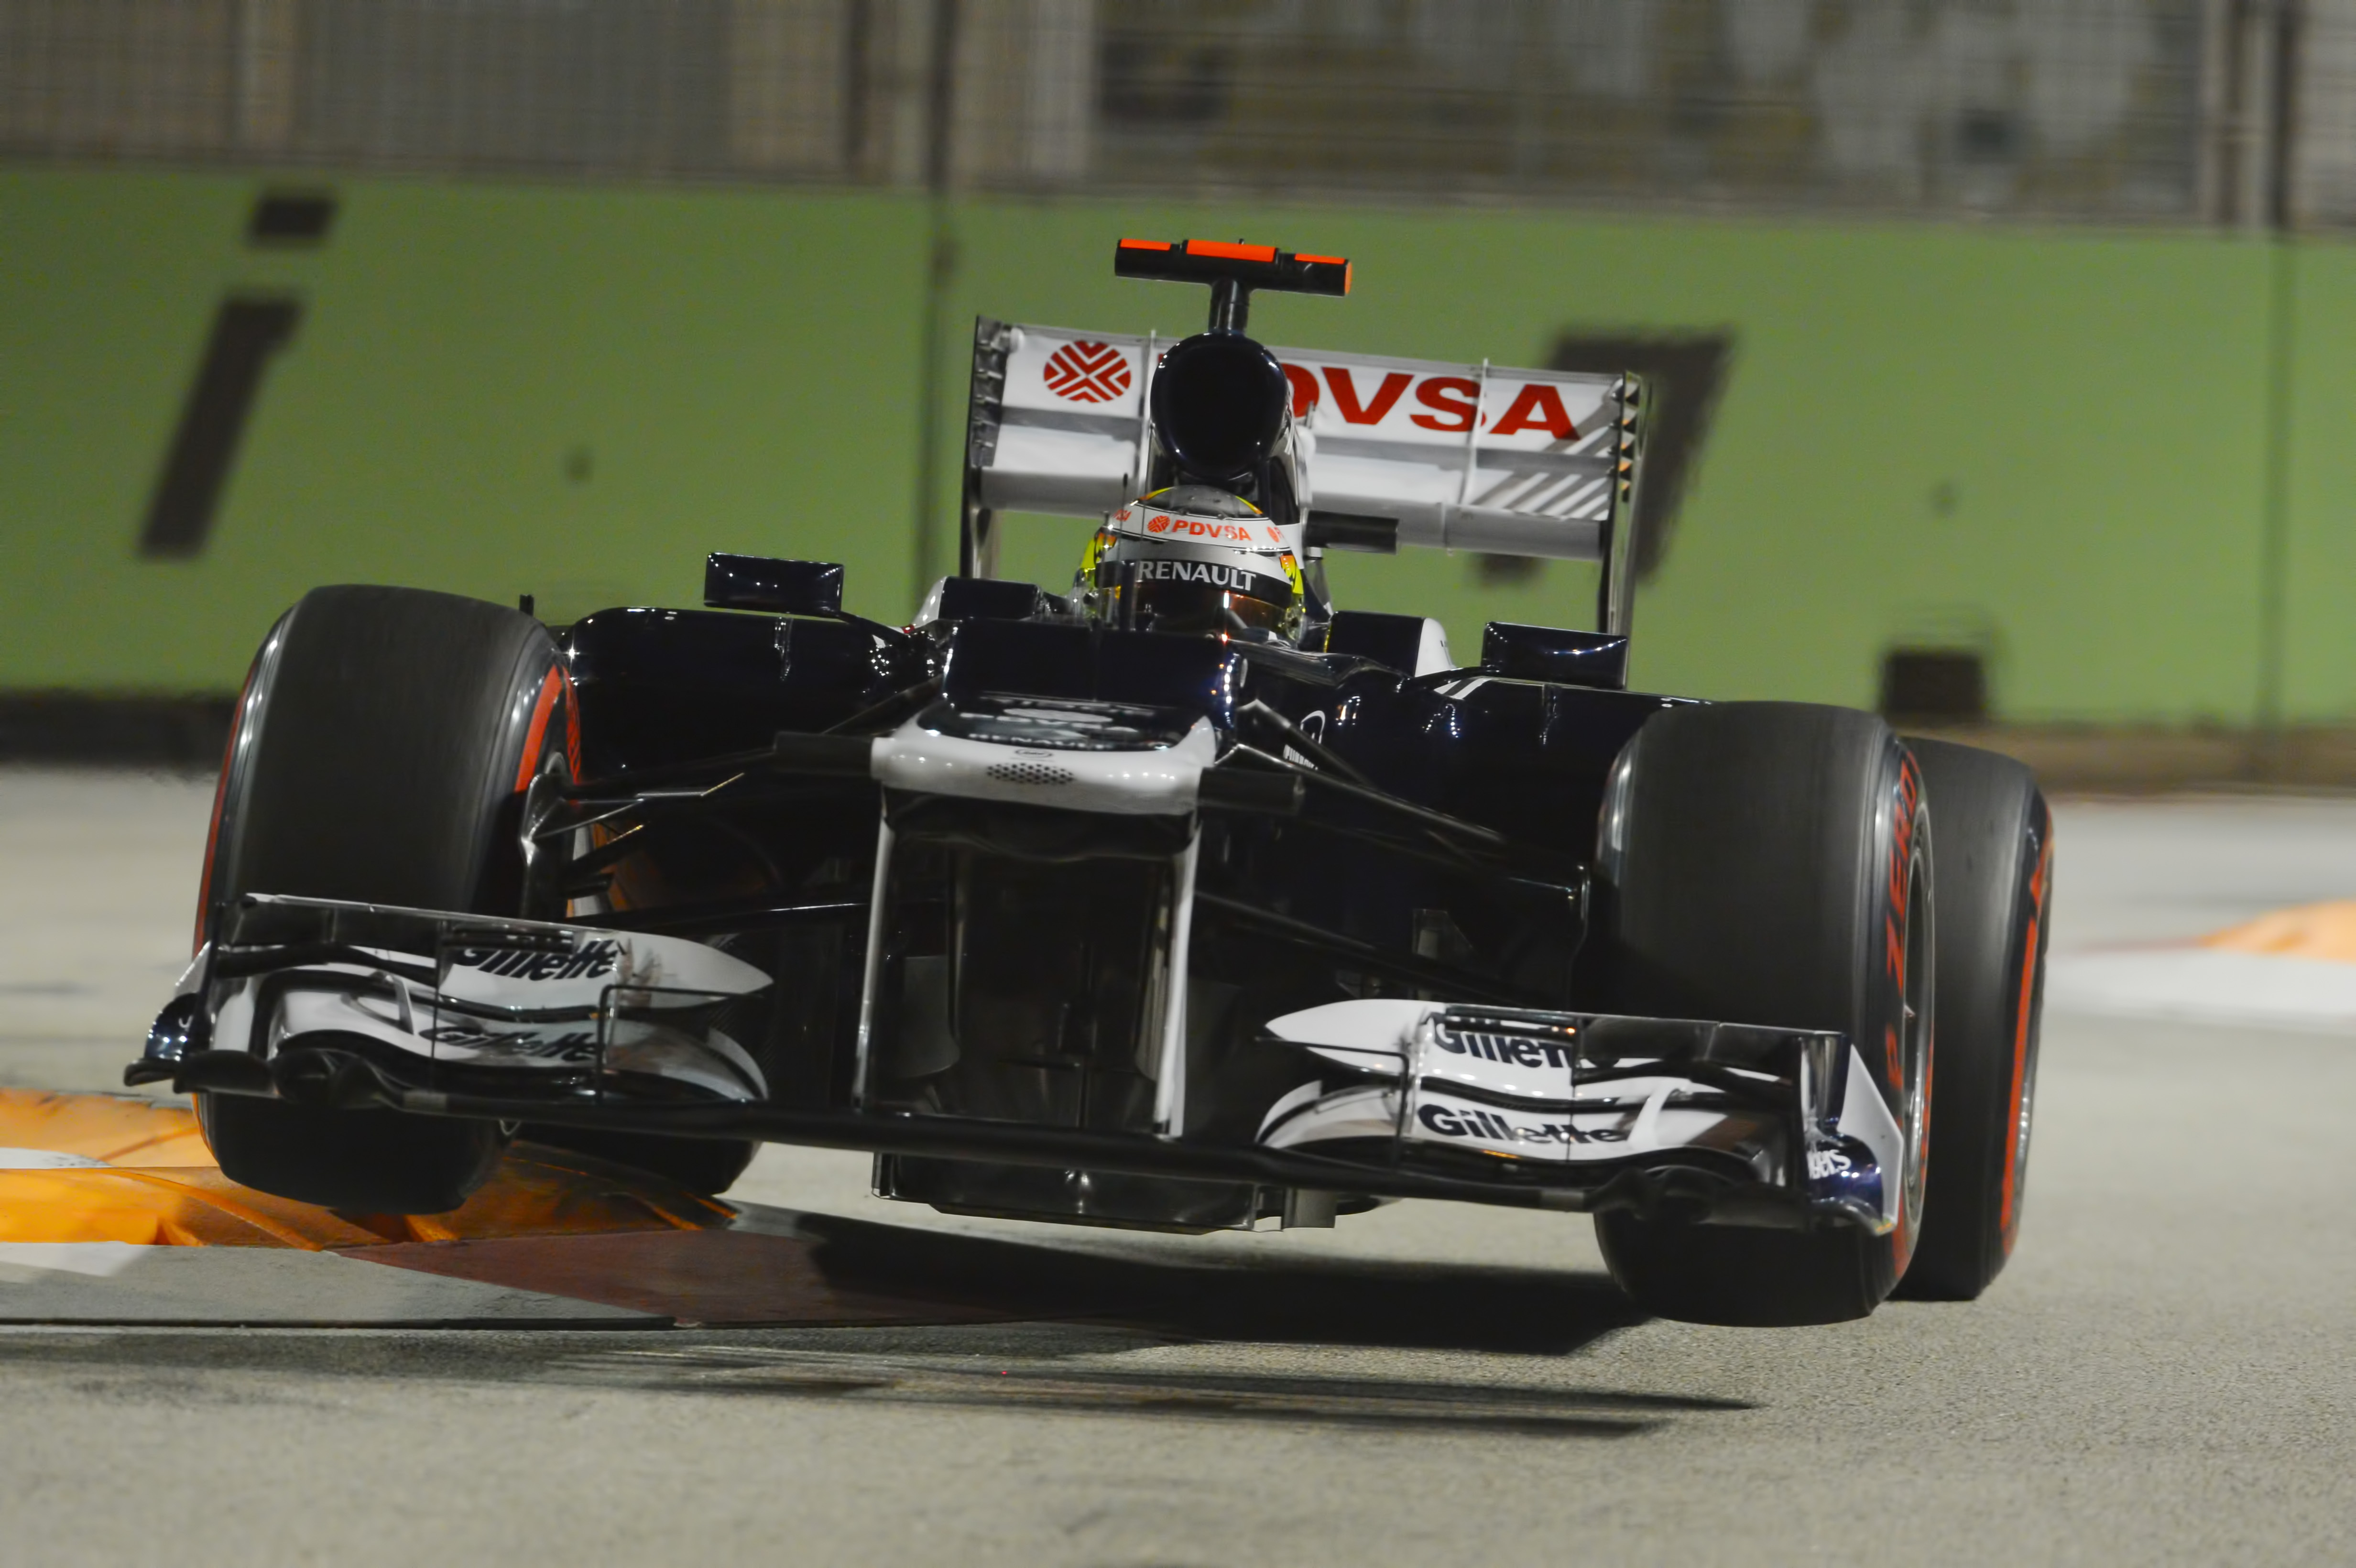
(1996, 880)
(1769, 863)
(380, 754)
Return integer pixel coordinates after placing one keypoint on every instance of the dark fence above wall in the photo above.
(1781, 102)
(80, 729)
(2171, 110)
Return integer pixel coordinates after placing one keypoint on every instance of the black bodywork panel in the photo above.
(953, 968)
(661, 689)
(1033, 929)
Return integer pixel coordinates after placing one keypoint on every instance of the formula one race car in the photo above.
(1181, 902)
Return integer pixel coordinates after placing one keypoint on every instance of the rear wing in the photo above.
(1394, 451)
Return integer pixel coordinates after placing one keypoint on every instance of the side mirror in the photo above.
(1550, 652)
(779, 587)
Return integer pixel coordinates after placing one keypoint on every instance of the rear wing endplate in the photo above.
(1395, 452)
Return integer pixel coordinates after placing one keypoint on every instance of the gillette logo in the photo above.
(1465, 1122)
(1518, 1049)
(588, 961)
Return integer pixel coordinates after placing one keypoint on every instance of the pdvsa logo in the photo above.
(1088, 372)
(1446, 404)
(1196, 527)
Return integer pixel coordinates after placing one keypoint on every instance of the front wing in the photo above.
(357, 1006)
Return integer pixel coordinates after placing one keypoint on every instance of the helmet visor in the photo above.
(1200, 607)
(1197, 591)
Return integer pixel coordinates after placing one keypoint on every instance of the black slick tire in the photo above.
(1993, 895)
(378, 756)
(1769, 863)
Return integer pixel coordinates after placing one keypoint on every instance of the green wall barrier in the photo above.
(2049, 447)
(493, 391)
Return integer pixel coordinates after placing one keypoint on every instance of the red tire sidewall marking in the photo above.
(1907, 819)
(571, 726)
(221, 804)
(554, 688)
(2040, 882)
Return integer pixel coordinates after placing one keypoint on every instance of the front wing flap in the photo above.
(1779, 1123)
(422, 995)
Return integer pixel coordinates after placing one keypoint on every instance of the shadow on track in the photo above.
(1298, 1301)
(1013, 1368)
(1086, 1385)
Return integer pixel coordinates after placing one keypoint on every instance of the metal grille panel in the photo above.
(2107, 109)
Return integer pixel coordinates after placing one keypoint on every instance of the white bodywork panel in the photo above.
(1432, 655)
(1865, 1116)
(1143, 781)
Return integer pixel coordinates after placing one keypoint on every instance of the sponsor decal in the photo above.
(1233, 578)
(1444, 404)
(1305, 395)
(1489, 1126)
(1213, 529)
(1451, 399)
(1088, 372)
(1850, 1179)
(571, 1047)
(1371, 411)
(1538, 406)
(584, 963)
(1518, 1049)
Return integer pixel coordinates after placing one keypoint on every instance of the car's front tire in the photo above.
(1769, 863)
(379, 754)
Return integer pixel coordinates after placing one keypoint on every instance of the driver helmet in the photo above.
(1193, 558)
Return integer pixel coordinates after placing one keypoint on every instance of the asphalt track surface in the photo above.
(2165, 1373)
